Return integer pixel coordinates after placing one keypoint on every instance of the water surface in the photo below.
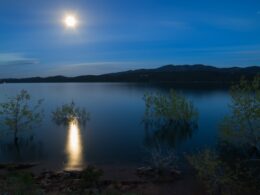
(115, 134)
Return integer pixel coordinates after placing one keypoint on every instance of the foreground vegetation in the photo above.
(234, 166)
(17, 115)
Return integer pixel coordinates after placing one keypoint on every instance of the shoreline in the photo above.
(122, 180)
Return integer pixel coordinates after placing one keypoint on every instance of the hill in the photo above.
(170, 73)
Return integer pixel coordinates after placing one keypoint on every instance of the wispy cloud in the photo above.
(17, 65)
(16, 59)
(99, 67)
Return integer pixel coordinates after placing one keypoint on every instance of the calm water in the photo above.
(114, 135)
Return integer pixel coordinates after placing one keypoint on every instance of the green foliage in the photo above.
(235, 167)
(91, 176)
(168, 119)
(173, 107)
(222, 178)
(242, 127)
(18, 114)
(212, 171)
(68, 112)
(240, 134)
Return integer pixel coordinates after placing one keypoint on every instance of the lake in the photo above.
(115, 134)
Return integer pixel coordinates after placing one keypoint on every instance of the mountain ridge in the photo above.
(168, 73)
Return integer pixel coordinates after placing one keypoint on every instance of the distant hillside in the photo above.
(170, 73)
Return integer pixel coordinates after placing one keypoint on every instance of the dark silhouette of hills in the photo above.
(170, 73)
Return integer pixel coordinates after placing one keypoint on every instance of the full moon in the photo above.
(70, 21)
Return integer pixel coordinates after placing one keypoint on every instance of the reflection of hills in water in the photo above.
(27, 149)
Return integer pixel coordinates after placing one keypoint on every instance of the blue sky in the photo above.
(116, 35)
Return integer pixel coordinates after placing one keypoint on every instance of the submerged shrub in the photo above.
(69, 112)
(174, 107)
(169, 118)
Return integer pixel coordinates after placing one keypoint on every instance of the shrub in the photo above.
(18, 115)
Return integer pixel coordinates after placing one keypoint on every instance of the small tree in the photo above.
(174, 107)
(171, 118)
(18, 115)
(242, 127)
(68, 112)
(213, 172)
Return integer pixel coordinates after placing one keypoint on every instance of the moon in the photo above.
(70, 21)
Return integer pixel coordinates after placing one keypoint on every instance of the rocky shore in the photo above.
(94, 180)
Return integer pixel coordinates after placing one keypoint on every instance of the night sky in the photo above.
(116, 35)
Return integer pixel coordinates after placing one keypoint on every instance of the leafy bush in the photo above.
(235, 167)
(174, 107)
(242, 127)
(168, 119)
(68, 112)
(19, 115)
(212, 171)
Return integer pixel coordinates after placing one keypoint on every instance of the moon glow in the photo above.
(70, 21)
